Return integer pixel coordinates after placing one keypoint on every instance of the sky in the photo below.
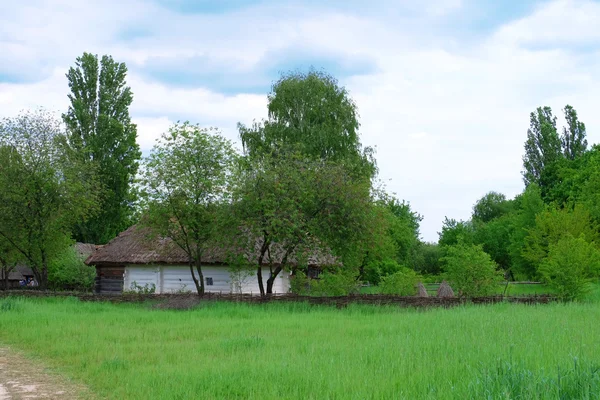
(444, 88)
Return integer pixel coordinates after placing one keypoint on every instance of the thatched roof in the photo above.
(19, 273)
(138, 245)
(86, 249)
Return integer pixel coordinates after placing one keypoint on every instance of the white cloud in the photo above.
(449, 122)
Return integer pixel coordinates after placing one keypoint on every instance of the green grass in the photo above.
(297, 351)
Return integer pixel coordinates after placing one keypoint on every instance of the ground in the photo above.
(22, 378)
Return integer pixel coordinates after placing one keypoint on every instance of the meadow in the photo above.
(297, 351)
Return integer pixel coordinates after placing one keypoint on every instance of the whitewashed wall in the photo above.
(175, 278)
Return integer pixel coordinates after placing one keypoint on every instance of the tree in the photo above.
(454, 231)
(527, 206)
(570, 266)
(554, 224)
(42, 191)
(543, 146)
(186, 186)
(8, 260)
(470, 270)
(426, 258)
(102, 134)
(290, 206)
(313, 113)
(573, 139)
(492, 205)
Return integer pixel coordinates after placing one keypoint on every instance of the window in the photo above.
(209, 281)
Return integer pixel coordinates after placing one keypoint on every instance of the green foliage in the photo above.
(374, 271)
(573, 139)
(454, 232)
(340, 282)
(186, 182)
(148, 288)
(403, 283)
(43, 190)
(426, 258)
(552, 225)
(67, 271)
(571, 265)
(102, 135)
(311, 112)
(297, 207)
(470, 271)
(492, 205)
(529, 205)
(543, 146)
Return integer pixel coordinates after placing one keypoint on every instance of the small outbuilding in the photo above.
(136, 258)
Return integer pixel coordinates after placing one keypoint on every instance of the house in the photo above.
(16, 275)
(24, 273)
(136, 258)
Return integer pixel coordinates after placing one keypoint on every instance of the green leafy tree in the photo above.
(543, 146)
(471, 271)
(43, 191)
(67, 271)
(571, 265)
(186, 187)
(492, 205)
(102, 134)
(402, 283)
(574, 142)
(495, 237)
(454, 231)
(293, 205)
(313, 113)
(426, 258)
(554, 224)
(528, 205)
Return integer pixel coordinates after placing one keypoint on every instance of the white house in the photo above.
(136, 258)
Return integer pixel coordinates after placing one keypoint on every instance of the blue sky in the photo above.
(444, 88)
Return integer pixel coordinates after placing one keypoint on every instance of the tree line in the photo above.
(302, 184)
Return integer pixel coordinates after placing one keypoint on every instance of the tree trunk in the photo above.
(260, 280)
(271, 279)
(199, 289)
(200, 278)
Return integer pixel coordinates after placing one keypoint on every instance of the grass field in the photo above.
(297, 351)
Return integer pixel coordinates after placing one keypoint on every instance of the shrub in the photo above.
(471, 271)
(376, 270)
(571, 265)
(68, 271)
(330, 283)
(402, 283)
(148, 288)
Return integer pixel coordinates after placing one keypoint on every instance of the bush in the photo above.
(68, 271)
(403, 283)
(571, 265)
(376, 270)
(330, 283)
(470, 271)
(148, 288)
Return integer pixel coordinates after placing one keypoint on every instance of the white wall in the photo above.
(176, 278)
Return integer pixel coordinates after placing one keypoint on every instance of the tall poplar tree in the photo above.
(573, 138)
(543, 145)
(100, 131)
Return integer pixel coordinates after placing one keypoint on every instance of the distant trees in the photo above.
(43, 191)
(102, 135)
(186, 185)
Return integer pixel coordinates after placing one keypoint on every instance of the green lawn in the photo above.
(297, 351)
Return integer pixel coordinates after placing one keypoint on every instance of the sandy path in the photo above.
(21, 378)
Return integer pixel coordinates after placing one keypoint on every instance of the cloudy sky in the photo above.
(444, 89)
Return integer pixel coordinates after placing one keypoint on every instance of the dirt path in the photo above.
(21, 378)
